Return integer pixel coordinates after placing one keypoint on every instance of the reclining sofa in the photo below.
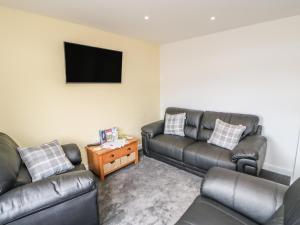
(231, 198)
(66, 199)
(194, 154)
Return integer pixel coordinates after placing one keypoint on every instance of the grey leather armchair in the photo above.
(231, 198)
(65, 199)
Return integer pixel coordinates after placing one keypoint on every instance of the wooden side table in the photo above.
(103, 161)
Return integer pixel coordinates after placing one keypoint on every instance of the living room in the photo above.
(232, 63)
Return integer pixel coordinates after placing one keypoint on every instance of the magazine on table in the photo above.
(109, 138)
(108, 135)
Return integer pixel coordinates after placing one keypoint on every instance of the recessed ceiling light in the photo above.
(146, 17)
(212, 18)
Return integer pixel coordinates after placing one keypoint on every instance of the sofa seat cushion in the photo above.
(204, 211)
(170, 145)
(206, 156)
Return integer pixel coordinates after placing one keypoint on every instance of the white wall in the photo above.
(255, 69)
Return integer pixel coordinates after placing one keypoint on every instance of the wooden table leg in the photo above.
(101, 170)
(102, 177)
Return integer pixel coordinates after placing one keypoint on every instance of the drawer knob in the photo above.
(112, 155)
(129, 149)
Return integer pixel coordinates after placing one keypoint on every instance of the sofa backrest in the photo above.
(9, 163)
(192, 122)
(209, 119)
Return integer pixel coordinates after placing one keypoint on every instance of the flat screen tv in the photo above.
(85, 64)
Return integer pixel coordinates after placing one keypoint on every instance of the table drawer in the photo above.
(111, 166)
(127, 150)
(127, 158)
(109, 157)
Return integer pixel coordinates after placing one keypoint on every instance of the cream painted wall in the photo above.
(255, 69)
(36, 103)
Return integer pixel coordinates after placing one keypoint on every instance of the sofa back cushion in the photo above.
(9, 163)
(253, 197)
(192, 122)
(209, 119)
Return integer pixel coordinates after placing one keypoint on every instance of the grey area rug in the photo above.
(150, 193)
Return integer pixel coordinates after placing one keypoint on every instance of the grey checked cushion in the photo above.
(45, 160)
(226, 135)
(174, 124)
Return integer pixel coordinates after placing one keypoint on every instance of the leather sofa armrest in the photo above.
(250, 148)
(250, 152)
(73, 153)
(153, 129)
(36, 196)
(251, 196)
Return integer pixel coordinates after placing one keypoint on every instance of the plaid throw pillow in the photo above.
(45, 160)
(226, 135)
(174, 124)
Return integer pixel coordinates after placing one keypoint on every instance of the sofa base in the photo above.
(177, 164)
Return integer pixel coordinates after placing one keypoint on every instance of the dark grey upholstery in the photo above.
(69, 198)
(73, 153)
(243, 194)
(277, 218)
(79, 210)
(205, 211)
(170, 145)
(229, 197)
(206, 156)
(192, 122)
(292, 204)
(31, 198)
(154, 129)
(192, 152)
(9, 163)
(23, 176)
(209, 120)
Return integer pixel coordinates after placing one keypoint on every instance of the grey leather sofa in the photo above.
(231, 198)
(194, 154)
(65, 199)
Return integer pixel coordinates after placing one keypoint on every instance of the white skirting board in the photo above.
(278, 169)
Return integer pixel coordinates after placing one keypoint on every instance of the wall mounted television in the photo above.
(86, 64)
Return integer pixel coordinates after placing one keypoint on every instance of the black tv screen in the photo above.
(85, 64)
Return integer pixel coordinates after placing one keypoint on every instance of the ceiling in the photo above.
(170, 20)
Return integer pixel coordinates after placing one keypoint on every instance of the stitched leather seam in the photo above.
(234, 190)
(218, 208)
(275, 198)
(219, 156)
